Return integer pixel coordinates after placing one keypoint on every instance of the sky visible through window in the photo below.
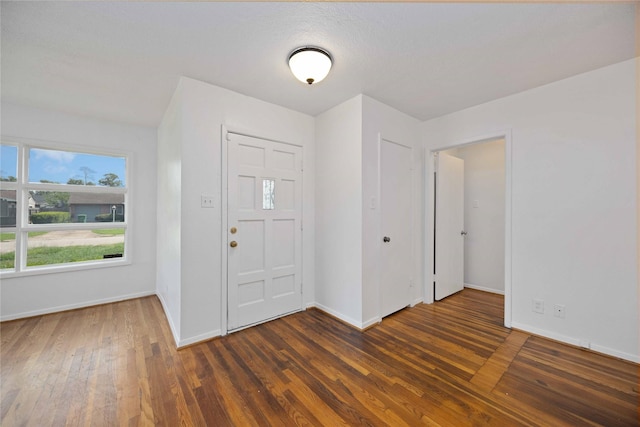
(8, 160)
(63, 166)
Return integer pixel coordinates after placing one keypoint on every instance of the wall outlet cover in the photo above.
(559, 310)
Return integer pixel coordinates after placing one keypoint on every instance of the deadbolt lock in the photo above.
(233, 244)
(233, 230)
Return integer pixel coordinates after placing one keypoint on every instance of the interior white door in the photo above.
(264, 235)
(396, 222)
(449, 220)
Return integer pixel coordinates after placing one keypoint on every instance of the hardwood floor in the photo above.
(447, 364)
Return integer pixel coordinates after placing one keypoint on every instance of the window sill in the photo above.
(64, 268)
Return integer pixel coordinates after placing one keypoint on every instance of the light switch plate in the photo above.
(206, 201)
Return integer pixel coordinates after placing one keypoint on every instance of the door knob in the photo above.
(386, 239)
(233, 244)
(463, 233)
(233, 230)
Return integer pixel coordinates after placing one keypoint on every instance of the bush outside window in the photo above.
(66, 208)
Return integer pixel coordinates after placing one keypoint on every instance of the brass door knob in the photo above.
(233, 244)
(233, 230)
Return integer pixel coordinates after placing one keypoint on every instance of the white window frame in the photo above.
(22, 186)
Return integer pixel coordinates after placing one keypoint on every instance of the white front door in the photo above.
(396, 226)
(264, 238)
(449, 219)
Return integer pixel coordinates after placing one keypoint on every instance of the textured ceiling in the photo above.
(122, 60)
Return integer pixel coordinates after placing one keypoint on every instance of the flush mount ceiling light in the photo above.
(310, 64)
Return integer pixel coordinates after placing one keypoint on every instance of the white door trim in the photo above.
(429, 167)
(224, 241)
(224, 277)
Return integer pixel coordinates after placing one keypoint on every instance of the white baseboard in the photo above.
(75, 306)
(577, 342)
(416, 302)
(167, 314)
(176, 336)
(371, 322)
(484, 289)
(340, 316)
(199, 338)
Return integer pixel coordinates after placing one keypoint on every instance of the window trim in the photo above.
(22, 187)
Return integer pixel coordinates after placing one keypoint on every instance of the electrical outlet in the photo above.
(538, 306)
(206, 201)
(558, 310)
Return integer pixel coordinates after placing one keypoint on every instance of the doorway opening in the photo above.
(469, 214)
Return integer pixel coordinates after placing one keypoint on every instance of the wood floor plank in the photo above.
(447, 364)
(490, 373)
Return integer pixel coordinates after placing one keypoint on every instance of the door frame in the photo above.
(429, 249)
(224, 223)
(411, 297)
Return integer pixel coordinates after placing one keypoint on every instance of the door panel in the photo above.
(264, 196)
(449, 272)
(396, 221)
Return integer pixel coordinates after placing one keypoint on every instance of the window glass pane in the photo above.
(268, 194)
(51, 207)
(60, 247)
(7, 250)
(8, 205)
(8, 163)
(66, 167)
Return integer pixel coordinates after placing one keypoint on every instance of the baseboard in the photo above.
(172, 327)
(484, 289)
(416, 302)
(340, 316)
(577, 342)
(76, 306)
(615, 353)
(199, 338)
(371, 322)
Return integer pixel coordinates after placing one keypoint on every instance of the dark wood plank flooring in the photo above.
(450, 364)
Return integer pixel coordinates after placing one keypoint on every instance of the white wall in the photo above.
(43, 293)
(392, 125)
(347, 229)
(339, 211)
(169, 202)
(573, 203)
(484, 221)
(202, 109)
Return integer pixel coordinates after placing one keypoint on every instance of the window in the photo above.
(61, 208)
(268, 194)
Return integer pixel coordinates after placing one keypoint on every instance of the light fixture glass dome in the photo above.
(310, 64)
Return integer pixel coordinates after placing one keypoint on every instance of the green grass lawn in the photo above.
(110, 231)
(37, 233)
(6, 237)
(61, 255)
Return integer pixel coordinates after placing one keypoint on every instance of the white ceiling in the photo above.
(122, 60)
